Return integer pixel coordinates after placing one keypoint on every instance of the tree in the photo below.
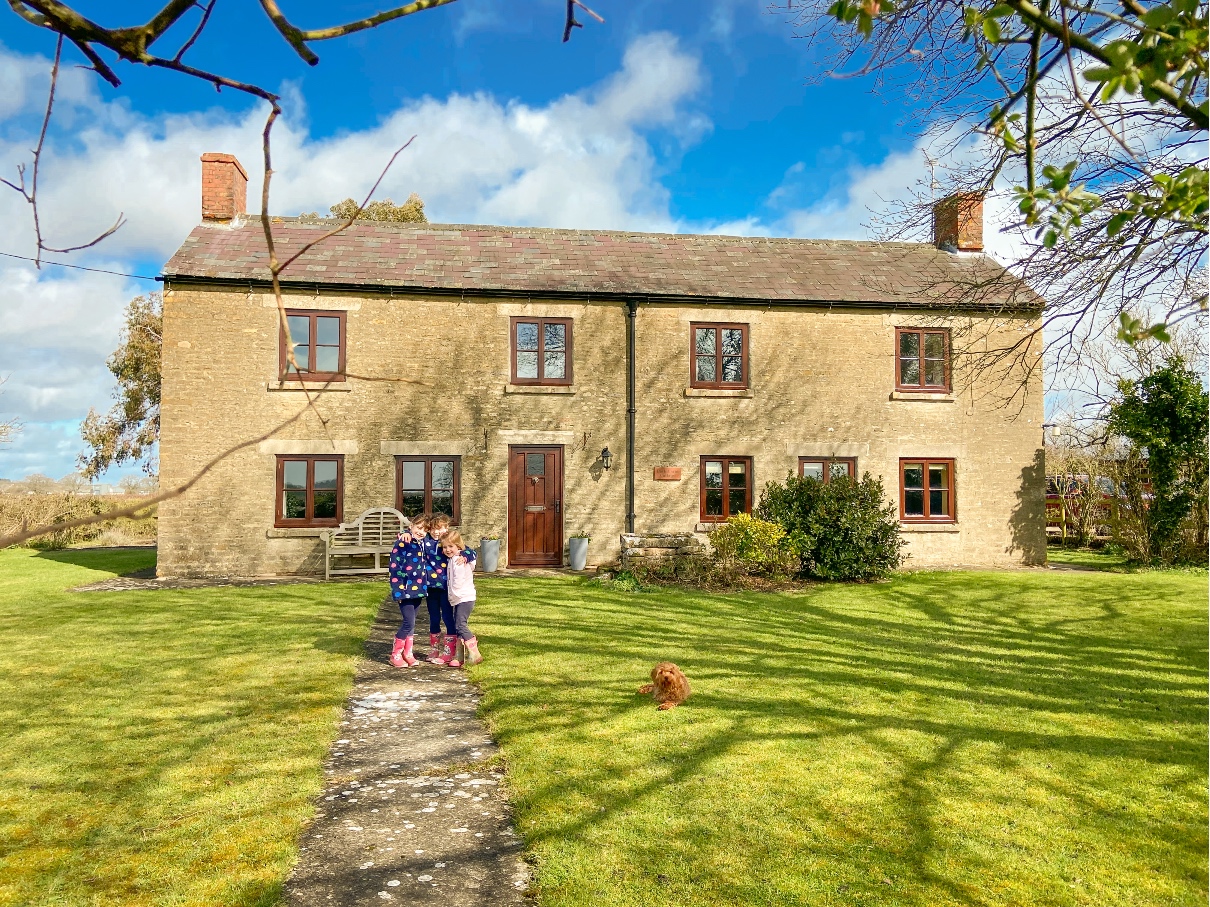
(1093, 110)
(410, 212)
(129, 431)
(1166, 416)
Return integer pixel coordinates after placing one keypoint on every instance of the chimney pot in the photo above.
(958, 222)
(224, 188)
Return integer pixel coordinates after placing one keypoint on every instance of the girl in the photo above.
(408, 572)
(441, 648)
(460, 585)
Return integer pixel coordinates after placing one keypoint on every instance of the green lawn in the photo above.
(1034, 737)
(162, 748)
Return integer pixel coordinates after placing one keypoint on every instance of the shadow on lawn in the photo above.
(1022, 672)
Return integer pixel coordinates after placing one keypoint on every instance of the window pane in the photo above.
(714, 502)
(840, 470)
(714, 474)
(703, 342)
(443, 502)
(527, 335)
(325, 505)
(909, 371)
(939, 503)
(535, 464)
(327, 331)
(325, 474)
(738, 501)
(300, 328)
(913, 503)
(733, 369)
(443, 474)
(302, 356)
(412, 503)
(738, 473)
(934, 346)
(913, 475)
(527, 365)
(733, 342)
(295, 474)
(934, 372)
(705, 368)
(813, 470)
(294, 505)
(553, 365)
(909, 345)
(938, 475)
(327, 358)
(413, 476)
(554, 336)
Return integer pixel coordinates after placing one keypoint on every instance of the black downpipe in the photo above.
(632, 309)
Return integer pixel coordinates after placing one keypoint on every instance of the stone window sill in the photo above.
(274, 387)
(297, 532)
(708, 527)
(718, 392)
(928, 527)
(569, 389)
(923, 397)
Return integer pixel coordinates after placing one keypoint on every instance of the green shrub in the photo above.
(841, 530)
(753, 544)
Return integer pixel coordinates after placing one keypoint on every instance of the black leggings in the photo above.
(407, 607)
(439, 610)
(462, 615)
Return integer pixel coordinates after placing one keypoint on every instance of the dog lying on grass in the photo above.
(669, 686)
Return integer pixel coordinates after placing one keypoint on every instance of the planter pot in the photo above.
(489, 555)
(577, 551)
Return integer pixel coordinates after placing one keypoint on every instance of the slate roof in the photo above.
(545, 262)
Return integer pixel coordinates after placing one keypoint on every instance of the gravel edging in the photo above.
(406, 815)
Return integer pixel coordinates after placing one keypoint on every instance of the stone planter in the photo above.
(489, 555)
(577, 553)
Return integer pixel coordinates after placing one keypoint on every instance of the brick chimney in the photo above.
(958, 222)
(224, 188)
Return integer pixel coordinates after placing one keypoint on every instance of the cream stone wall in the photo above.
(431, 376)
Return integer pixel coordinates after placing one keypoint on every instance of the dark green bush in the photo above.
(842, 529)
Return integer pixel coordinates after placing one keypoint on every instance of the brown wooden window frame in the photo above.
(283, 355)
(927, 517)
(827, 466)
(427, 460)
(920, 360)
(726, 461)
(567, 378)
(717, 327)
(280, 521)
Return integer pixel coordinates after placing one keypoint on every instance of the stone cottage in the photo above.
(536, 383)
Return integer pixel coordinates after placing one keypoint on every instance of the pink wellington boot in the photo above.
(407, 653)
(445, 651)
(471, 650)
(458, 657)
(397, 652)
(434, 646)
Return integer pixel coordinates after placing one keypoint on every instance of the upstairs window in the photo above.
(541, 351)
(926, 492)
(924, 360)
(825, 469)
(318, 339)
(726, 488)
(310, 490)
(719, 357)
(429, 485)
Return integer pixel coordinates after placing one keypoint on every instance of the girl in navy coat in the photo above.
(408, 572)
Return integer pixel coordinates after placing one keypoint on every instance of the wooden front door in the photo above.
(535, 506)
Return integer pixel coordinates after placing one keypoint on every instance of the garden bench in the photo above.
(372, 533)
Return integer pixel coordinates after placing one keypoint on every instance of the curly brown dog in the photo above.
(668, 686)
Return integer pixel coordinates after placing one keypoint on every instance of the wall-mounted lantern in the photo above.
(606, 459)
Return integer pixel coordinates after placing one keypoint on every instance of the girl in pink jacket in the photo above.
(460, 585)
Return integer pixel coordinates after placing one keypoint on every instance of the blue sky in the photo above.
(689, 117)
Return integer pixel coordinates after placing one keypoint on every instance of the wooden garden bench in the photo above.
(372, 533)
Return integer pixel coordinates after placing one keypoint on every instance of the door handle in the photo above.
(557, 505)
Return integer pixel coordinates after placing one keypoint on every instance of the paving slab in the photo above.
(415, 808)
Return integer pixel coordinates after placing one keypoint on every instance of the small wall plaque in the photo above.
(667, 474)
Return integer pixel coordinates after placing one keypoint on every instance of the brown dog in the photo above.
(668, 686)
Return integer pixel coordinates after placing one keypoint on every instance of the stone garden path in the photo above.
(406, 816)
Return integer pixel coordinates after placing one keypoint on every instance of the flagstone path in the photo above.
(406, 816)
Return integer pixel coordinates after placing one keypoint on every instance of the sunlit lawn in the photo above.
(162, 748)
(1034, 737)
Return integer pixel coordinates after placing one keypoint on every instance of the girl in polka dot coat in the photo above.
(408, 573)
